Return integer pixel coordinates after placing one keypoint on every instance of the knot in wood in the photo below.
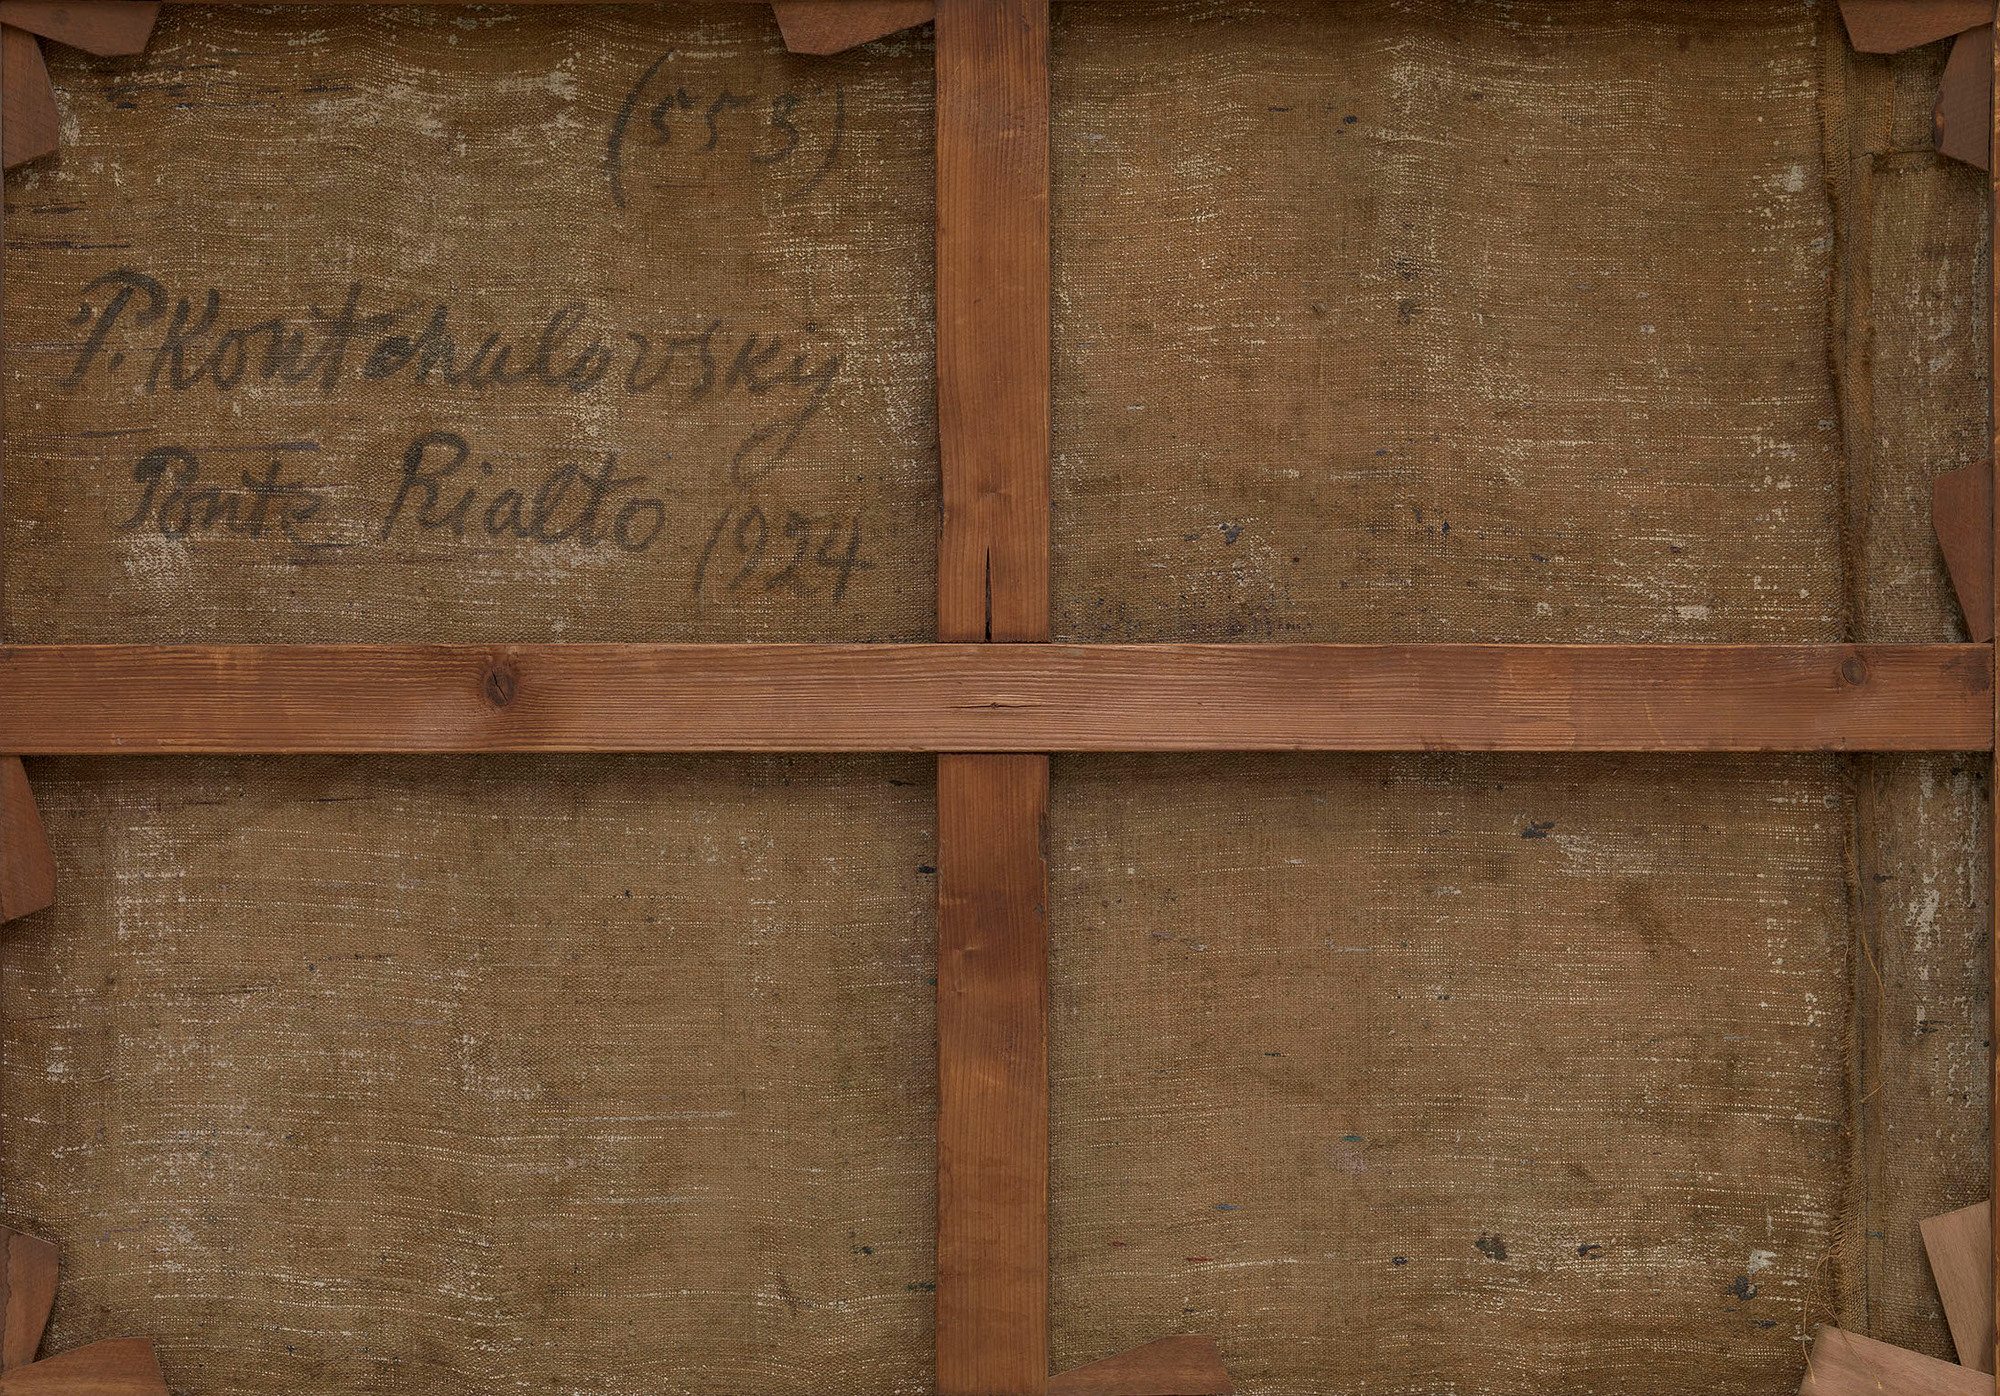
(499, 682)
(1853, 671)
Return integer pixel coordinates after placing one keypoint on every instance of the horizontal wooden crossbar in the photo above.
(999, 698)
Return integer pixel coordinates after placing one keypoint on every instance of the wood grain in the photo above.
(28, 1266)
(29, 122)
(834, 26)
(993, 318)
(1186, 1365)
(1963, 115)
(1993, 784)
(993, 1104)
(1889, 26)
(27, 867)
(993, 585)
(109, 28)
(641, 697)
(1960, 1248)
(1962, 518)
(116, 1367)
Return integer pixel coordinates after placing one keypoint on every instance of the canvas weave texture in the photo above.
(1390, 320)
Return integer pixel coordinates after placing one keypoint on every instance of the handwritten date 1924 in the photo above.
(747, 550)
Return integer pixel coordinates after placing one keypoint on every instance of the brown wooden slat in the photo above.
(115, 1367)
(28, 1267)
(835, 26)
(993, 585)
(27, 867)
(1962, 518)
(993, 1131)
(1993, 783)
(993, 318)
(109, 28)
(1992, 522)
(28, 118)
(1960, 1248)
(1847, 1364)
(1188, 1365)
(1889, 26)
(602, 697)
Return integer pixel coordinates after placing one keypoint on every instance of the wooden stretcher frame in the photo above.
(993, 698)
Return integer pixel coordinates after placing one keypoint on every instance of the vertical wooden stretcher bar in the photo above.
(1993, 786)
(993, 586)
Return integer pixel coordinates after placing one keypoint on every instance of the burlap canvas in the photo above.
(637, 266)
(503, 1075)
(1423, 320)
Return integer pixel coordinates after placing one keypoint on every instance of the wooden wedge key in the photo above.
(115, 1367)
(27, 866)
(1960, 1247)
(108, 28)
(27, 1293)
(1847, 1364)
(834, 26)
(1187, 1365)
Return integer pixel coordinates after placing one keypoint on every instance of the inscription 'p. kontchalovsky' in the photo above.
(134, 329)
(135, 332)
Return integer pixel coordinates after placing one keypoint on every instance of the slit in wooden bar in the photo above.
(1187, 1365)
(107, 28)
(28, 1267)
(27, 866)
(1890, 26)
(115, 1367)
(1847, 1364)
(29, 121)
(1962, 518)
(993, 1090)
(834, 26)
(993, 318)
(1959, 1246)
(109, 699)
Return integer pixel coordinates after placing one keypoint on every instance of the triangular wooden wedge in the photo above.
(27, 1293)
(27, 868)
(29, 121)
(1847, 1364)
(834, 26)
(1188, 1365)
(1964, 112)
(108, 28)
(116, 1367)
(1960, 1247)
(1962, 517)
(1890, 26)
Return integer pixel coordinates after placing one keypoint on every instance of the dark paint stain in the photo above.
(1538, 828)
(1492, 1247)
